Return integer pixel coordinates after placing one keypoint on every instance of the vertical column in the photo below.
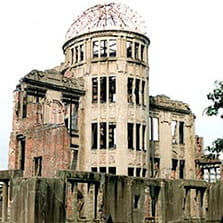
(5, 202)
(187, 203)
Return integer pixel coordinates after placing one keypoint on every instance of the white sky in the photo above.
(186, 51)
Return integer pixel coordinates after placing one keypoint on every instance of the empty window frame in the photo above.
(181, 169)
(144, 172)
(154, 129)
(112, 170)
(95, 49)
(130, 171)
(156, 167)
(72, 55)
(136, 50)
(130, 136)
(137, 84)
(74, 116)
(112, 48)
(143, 137)
(94, 135)
(103, 48)
(103, 138)
(174, 164)
(103, 89)
(112, 135)
(112, 89)
(136, 201)
(129, 49)
(81, 52)
(94, 90)
(142, 52)
(102, 169)
(22, 153)
(76, 54)
(37, 166)
(181, 132)
(174, 131)
(138, 137)
(138, 172)
(143, 93)
(24, 106)
(94, 169)
(130, 90)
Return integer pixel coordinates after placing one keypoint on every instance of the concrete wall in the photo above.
(110, 198)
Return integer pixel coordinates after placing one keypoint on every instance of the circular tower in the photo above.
(108, 48)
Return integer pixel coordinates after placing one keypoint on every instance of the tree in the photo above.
(215, 150)
(216, 97)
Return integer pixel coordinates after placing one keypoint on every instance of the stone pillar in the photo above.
(5, 202)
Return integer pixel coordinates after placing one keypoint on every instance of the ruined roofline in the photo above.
(53, 80)
(163, 102)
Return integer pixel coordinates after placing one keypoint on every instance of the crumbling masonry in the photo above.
(88, 144)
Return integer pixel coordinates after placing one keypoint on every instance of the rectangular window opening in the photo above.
(103, 134)
(136, 51)
(112, 170)
(103, 48)
(22, 149)
(129, 49)
(76, 54)
(102, 169)
(136, 201)
(156, 167)
(94, 90)
(81, 52)
(174, 131)
(138, 172)
(112, 135)
(95, 49)
(24, 107)
(142, 52)
(181, 132)
(112, 89)
(138, 137)
(74, 117)
(94, 169)
(94, 135)
(130, 171)
(137, 91)
(112, 48)
(144, 172)
(182, 165)
(143, 137)
(130, 135)
(72, 55)
(143, 93)
(103, 89)
(130, 90)
(37, 166)
(22, 157)
(174, 164)
(154, 129)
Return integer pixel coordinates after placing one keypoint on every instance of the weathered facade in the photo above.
(93, 114)
(45, 136)
(172, 138)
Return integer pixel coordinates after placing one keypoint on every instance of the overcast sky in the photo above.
(186, 51)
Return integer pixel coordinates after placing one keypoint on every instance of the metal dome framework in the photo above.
(106, 17)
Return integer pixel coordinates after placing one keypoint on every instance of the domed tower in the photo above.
(108, 48)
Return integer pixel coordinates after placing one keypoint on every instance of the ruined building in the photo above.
(88, 144)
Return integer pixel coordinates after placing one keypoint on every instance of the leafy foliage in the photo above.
(216, 97)
(216, 148)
